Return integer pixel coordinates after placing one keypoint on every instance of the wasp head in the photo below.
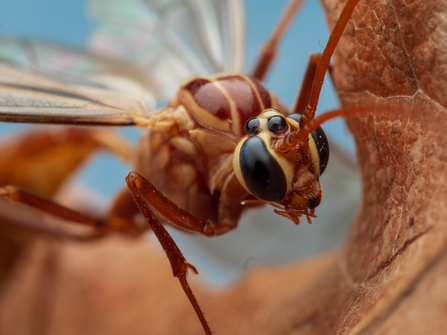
(288, 179)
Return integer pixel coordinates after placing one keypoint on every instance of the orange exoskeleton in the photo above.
(222, 145)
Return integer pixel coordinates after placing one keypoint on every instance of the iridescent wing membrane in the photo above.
(172, 39)
(139, 54)
(33, 98)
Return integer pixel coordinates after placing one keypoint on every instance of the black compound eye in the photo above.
(322, 147)
(262, 174)
(252, 126)
(277, 124)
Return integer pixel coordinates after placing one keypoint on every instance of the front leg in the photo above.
(146, 196)
(141, 187)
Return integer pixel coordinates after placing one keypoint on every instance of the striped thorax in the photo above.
(229, 125)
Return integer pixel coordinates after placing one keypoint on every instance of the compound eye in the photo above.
(262, 174)
(322, 147)
(252, 126)
(277, 124)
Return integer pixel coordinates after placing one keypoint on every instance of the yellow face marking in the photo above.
(293, 123)
(302, 176)
(268, 113)
(266, 136)
(237, 163)
(286, 166)
(314, 155)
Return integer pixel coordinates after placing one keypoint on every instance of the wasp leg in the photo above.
(48, 206)
(15, 194)
(31, 227)
(270, 48)
(173, 213)
(144, 193)
(40, 161)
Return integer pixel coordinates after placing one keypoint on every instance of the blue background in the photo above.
(65, 22)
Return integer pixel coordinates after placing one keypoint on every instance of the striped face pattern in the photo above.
(291, 178)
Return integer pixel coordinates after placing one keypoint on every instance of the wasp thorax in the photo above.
(224, 102)
(288, 178)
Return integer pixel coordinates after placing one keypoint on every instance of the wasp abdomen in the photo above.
(224, 102)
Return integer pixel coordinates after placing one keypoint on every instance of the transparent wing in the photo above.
(27, 97)
(78, 67)
(231, 16)
(165, 42)
(172, 39)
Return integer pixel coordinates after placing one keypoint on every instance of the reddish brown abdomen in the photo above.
(224, 102)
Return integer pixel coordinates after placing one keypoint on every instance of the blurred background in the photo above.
(262, 236)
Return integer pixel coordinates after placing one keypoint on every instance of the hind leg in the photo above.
(41, 160)
(38, 162)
